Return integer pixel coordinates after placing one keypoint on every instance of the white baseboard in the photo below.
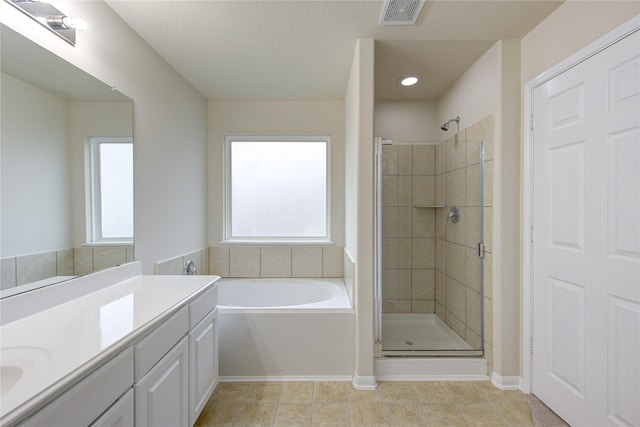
(364, 383)
(505, 383)
(235, 379)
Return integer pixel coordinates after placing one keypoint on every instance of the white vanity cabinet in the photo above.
(119, 415)
(203, 364)
(172, 389)
(203, 352)
(161, 374)
(162, 395)
(86, 401)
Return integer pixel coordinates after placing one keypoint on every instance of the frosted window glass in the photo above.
(116, 190)
(278, 189)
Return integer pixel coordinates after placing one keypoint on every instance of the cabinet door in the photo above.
(119, 415)
(161, 397)
(203, 364)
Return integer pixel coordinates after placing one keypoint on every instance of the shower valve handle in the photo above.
(454, 215)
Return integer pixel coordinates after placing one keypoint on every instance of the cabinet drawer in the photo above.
(119, 415)
(202, 306)
(155, 345)
(85, 401)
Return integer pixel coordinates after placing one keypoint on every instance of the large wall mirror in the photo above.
(66, 171)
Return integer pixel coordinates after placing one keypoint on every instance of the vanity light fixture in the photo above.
(51, 18)
(410, 80)
(62, 22)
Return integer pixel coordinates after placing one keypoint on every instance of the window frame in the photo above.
(93, 198)
(228, 237)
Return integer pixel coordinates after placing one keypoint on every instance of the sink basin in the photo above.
(9, 376)
(18, 364)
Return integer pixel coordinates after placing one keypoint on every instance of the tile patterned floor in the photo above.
(432, 404)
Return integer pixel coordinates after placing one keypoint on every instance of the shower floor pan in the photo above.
(421, 335)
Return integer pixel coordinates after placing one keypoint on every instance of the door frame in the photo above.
(527, 208)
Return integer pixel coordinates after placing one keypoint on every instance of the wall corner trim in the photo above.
(505, 383)
(364, 383)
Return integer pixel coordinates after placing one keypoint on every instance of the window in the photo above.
(277, 188)
(109, 189)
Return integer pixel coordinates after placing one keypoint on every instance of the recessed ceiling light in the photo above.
(410, 80)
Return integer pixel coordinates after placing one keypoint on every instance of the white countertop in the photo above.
(54, 346)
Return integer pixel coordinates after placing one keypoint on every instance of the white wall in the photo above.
(475, 95)
(170, 125)
(36, 213)
(359, 206)
(568, 29)
(275, 118)
(407, 121)
(87, 119)
(491, 86)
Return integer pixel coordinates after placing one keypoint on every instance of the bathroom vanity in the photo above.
(114, 348)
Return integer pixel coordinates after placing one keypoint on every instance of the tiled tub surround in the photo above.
(177, 265)
(408, 230)
(457, 274)
(24, 269)
(276, 261)
(78, 322)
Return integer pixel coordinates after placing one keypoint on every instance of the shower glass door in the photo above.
(429, 250)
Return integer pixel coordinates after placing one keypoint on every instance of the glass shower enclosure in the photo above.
(429, 248)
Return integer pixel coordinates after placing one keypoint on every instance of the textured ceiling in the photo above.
(303, 49)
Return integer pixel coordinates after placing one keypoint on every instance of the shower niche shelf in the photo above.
(429, 206)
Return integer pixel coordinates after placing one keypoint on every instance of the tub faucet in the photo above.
(190, 268)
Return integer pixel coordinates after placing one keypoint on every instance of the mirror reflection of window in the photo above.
(110, 189)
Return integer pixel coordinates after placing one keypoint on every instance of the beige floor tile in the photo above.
(429, 392)
(293, 414)
(330, 391)
(367, 414)
(256, 414)
(330, 414)
(264, 392)
(230, 392)
(515, 412)
(493, 393)
(354, 395)
(463, 392)
(297, 392)
(405, 414)
(217, 414)
(392, 391)
(443, 416)
(481, 414)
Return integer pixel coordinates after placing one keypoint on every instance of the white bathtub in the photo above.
(285, 329)
(327, 294)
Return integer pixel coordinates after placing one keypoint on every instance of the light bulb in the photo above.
(410, 80)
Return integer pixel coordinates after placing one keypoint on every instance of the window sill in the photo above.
(256, 242)
(110, 243)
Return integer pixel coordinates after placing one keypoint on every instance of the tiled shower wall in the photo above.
(458, 270)
(24, 269)
(408, 231)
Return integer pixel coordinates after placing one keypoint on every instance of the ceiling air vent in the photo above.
(401, 12)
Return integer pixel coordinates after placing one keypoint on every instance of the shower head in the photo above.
(445, 127)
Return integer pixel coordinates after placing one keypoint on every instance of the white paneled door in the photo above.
(586, 239)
